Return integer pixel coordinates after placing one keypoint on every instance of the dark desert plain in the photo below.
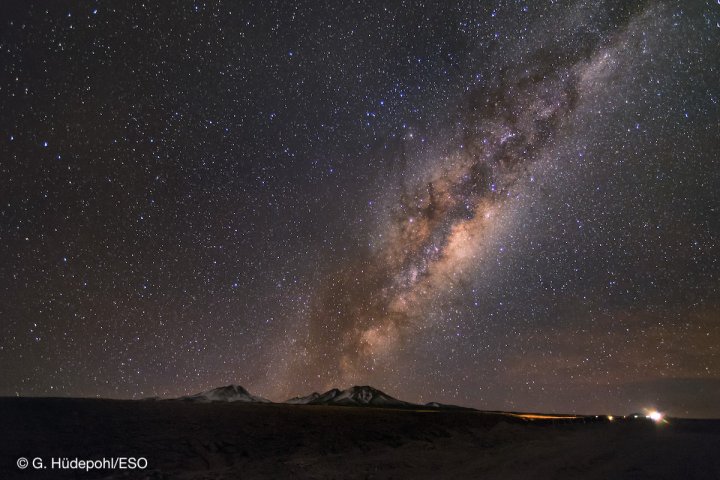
(247, 441)
(505, 214)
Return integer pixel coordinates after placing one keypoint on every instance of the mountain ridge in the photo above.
(355, 396)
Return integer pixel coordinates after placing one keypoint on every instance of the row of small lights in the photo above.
(653, 415)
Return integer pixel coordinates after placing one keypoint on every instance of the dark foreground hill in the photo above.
(220, 440)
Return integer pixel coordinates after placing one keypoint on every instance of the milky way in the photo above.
(435, 237)
(505, 205)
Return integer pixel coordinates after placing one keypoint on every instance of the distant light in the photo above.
(610, 417)
(655, 416)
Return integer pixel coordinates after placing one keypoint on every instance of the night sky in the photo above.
(499, 204)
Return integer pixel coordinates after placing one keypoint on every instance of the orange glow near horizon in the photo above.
(537, 416)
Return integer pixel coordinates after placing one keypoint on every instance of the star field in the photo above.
(505, 205)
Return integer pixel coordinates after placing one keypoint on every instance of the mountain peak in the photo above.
(232, 389)
(367, 395)
(228, 393)
(358, 395)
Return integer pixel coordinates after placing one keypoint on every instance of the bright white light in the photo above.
(655, 416)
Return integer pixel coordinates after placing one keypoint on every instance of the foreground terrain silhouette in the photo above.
(221, 440)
